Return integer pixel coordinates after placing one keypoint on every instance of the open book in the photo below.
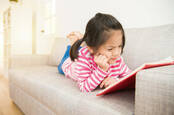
(129, 80)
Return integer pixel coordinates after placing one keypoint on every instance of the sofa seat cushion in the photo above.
(62, 95)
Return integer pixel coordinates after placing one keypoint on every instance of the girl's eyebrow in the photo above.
(110, 46)
(114, 46)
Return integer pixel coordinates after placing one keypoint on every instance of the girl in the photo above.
(100, 61)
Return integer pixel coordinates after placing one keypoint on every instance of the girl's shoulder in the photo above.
(84, 52)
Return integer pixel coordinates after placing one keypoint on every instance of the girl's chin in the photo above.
(112, 61)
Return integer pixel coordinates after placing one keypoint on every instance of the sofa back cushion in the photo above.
(58, 50)
(142, 45)
(148, 44)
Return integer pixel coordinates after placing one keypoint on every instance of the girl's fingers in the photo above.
(106, 84)
(103, 83)
(102, 62)
(102, 58)
(109, 82)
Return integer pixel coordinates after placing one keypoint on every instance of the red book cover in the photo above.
(129, 80)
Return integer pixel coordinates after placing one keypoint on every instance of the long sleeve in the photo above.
(89, 76)
(124, 70)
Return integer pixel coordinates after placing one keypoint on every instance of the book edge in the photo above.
(167, 60)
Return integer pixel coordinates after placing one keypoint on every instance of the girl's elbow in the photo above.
(84, 89)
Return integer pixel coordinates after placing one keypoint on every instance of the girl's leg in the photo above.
(66, 55)
(72, 39)
(68, 68)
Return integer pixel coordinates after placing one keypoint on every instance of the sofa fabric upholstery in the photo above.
(155, 91)
(37, 88)
(148, 44)
(62, 96)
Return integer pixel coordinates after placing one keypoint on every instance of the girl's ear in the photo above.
(90, 50)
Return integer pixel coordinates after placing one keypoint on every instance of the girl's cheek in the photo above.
(108, 54)
(105, 53)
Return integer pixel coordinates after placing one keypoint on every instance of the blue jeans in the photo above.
(66, 55)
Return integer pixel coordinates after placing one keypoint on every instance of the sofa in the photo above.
(37, 88)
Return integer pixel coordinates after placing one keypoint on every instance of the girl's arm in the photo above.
(88, 79)
(124, 70)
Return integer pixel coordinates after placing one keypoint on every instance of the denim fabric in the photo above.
(66, 55)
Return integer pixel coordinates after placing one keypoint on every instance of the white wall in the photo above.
(21, 30)
(21, 26)
(43, 42)
(73, 15)
(3, 6)
(1, 46)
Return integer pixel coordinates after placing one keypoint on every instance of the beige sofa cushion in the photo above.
(148, 44)
(58, 50)
(155, 91)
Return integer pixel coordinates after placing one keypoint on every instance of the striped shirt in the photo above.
(87, 74)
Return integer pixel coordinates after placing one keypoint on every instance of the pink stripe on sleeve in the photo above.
(124, 70)
(95, 75)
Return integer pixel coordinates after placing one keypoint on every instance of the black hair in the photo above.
(97, 32)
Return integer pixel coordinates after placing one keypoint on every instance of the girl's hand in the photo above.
(102, 62)
(107, 82)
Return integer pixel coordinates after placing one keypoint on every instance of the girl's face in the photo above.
(112, 47)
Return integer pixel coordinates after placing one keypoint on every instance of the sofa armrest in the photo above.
(154, 93)
(28, 60)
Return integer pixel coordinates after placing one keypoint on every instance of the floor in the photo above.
(7, 107)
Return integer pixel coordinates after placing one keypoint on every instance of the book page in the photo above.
(166, 60)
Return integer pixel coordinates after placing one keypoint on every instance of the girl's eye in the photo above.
(109, 49)
(120, 46)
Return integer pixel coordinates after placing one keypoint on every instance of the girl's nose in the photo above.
(116, 52)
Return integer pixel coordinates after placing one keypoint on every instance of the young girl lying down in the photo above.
(99, 63)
